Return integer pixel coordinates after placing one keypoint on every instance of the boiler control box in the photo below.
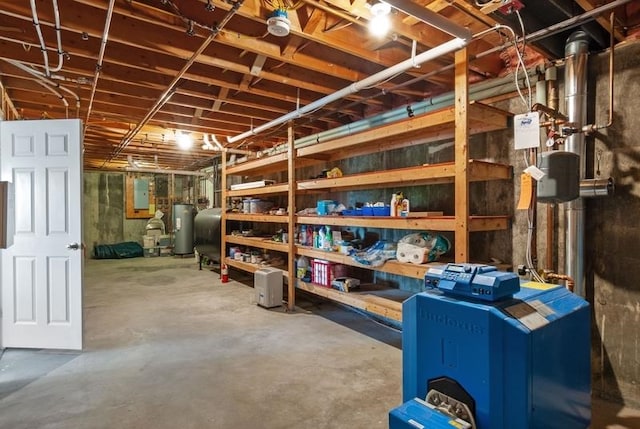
(477, 281)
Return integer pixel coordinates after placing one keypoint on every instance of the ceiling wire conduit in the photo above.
(540, 34)
(438, 51)
(57, 94)
(462, 38)
(103, 46)
(494, 87)
(56, 14)
(166, 95)
(41, 76)
(43, 47)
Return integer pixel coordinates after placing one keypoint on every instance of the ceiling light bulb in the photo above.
(184, 140)
(380, 9)
(379, 25)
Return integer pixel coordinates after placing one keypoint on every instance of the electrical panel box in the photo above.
(561, 181)
(141, 194)
(7, 219)
(268, 287)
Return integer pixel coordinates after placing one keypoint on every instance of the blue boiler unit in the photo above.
(482, 351)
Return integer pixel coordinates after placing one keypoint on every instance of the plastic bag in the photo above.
(376, 255)
(422, 247)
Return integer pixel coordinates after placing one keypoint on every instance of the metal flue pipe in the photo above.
(575, 81)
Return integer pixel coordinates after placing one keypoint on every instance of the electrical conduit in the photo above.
(103, 46)
(166, 95)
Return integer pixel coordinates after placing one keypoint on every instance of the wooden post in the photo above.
(461, 154)
(291, 206)
(223, 209)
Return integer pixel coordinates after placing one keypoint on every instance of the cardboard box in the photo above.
(149, 241)
(150, 252)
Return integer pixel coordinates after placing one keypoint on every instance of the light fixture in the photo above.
(184, 140)
(278, 23)
(379, 24)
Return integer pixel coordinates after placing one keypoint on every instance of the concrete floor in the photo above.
(168, 346)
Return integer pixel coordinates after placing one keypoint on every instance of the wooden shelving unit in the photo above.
(433, 223)
(459, 122)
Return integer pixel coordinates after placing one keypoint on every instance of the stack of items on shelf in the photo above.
(256, 206)
(422, 247)
(254, 256)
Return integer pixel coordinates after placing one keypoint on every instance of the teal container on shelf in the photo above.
(325, 207)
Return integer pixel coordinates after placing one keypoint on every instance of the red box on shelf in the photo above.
(322, 272)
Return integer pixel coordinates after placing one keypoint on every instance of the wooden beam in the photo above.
(461, 151)
(291, 208)
(588, 5)
(222, 96)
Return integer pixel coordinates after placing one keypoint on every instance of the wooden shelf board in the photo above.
(272, 164)
(363, 299)
(391, 266)
(259, 242)
(409, 176)
(435, 223)
(247, 217)
(488, 223)
(258, 166)
(279, 188)
(433, 125)
(483, 170)
(251, 268)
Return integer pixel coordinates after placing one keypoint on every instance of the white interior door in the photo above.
(42, 271)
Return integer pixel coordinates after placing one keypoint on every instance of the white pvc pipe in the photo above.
(44, 78)
(56, 13)
(438, 51)
(57, 94)
(103, 46)
(43, 47)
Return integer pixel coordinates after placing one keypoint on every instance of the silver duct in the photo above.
(575, 81)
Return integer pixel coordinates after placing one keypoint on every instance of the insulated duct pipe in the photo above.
(438, 51)
(490, 88)
(575, 81)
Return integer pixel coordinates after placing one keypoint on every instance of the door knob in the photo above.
(73, 246)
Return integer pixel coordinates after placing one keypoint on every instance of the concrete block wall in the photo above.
(612, 244)
(104, 211)
(612, 263)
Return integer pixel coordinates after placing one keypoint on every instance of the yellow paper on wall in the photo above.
(152, 208)
(526, 191)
